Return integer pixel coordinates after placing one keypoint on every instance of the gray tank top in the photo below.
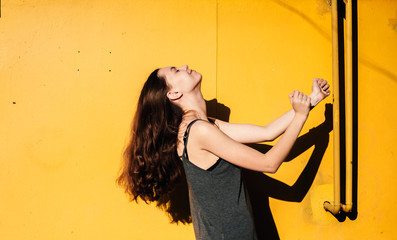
(217, 199)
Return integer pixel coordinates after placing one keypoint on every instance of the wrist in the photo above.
(313, 101)
(301, 116)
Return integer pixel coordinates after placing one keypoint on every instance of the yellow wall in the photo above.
(71, 72)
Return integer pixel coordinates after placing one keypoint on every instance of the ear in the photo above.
(173, 96)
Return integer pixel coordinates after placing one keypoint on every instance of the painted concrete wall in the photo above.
(71, 72)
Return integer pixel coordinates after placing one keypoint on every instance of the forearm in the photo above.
(281, 149)
(248, 133)
(279, 125)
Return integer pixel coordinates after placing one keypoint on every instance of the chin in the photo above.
(199, 76)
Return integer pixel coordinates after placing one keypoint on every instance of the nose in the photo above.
(185, 67)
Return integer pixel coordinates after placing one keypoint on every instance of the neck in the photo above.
(197, 104)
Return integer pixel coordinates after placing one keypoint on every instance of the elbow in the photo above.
(271, 163)
(271, 168)
(270, 138)
(273, 136)
(269, 134)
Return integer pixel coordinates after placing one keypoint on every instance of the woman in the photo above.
(171, 134)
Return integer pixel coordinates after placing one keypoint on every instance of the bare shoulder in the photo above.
(203, 128)
(202, 134)
(205, 132)
(208, 134)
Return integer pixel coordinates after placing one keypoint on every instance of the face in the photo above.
(180, 79)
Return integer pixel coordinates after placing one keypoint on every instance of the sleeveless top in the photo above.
(217, 199)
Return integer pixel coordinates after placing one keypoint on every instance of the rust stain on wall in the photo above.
(323, 6)
(393, 22)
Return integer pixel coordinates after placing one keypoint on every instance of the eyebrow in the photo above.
(172, 69)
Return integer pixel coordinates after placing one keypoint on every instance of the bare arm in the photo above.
(213, 140)
(248, 133)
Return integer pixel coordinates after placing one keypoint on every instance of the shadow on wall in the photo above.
(260, 186)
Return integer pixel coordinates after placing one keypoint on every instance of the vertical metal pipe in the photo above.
(347, 207)
(334, 209)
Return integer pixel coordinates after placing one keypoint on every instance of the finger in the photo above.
(325, 87)
(300, 95)
(323, 83)
(296, 94)
(291, 97)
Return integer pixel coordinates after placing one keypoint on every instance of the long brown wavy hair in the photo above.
(151, 166)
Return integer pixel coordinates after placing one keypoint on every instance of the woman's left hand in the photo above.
(320, 90)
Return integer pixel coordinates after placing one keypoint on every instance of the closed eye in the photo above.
(174, 69)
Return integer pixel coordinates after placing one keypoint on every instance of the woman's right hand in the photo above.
(300, 103)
